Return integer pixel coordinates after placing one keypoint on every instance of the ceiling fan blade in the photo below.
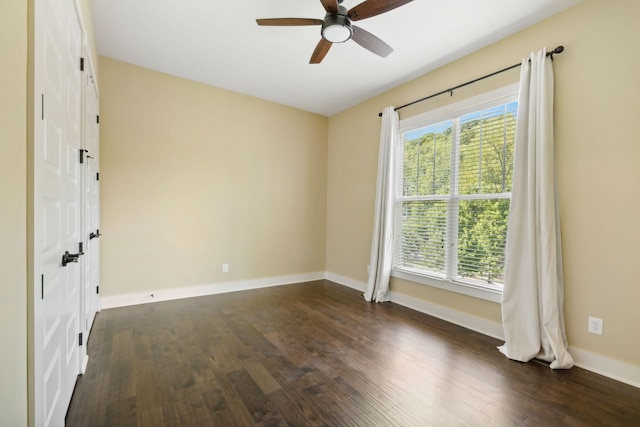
(331, 6)
(370, 8)
(320, 51)
(370, 42)
(285, 22)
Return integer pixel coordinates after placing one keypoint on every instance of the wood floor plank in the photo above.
(149, 417)
(317, 354)
(260, 374)
(291, 412)
(262, 411)
(239, 413)
(123, 410)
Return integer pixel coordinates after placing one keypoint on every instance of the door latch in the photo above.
(67, 258)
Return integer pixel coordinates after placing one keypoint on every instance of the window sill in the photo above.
(480, 292)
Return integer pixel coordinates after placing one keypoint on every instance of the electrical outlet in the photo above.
(225, 268)
(595, 325)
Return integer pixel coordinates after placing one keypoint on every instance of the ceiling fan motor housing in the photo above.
(336, 28)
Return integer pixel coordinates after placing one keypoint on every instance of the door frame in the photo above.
(90, 223)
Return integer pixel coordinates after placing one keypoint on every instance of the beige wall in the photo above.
(13, 213)
(196, 176)
(598, 160)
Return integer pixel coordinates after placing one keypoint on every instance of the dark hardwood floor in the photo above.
(318, 354)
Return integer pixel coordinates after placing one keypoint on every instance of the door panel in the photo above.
(53, 387)
(57, 188)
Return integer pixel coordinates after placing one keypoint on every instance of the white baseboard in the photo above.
(468, 321)
(202, 290)
(608, 367)
(85, 362)
(346, 281)
(605, 366)
(477, 324)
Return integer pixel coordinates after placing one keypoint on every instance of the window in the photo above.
(453, 188)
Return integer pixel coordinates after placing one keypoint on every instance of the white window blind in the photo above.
(453, 188)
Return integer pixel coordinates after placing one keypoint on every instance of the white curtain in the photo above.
(533, 297)
(382, 240)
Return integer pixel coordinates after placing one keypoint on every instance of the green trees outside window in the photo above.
(453, 195)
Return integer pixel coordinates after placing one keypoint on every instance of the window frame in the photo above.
(453, 112)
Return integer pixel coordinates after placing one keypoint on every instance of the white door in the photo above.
(57, 209)
(91, 223)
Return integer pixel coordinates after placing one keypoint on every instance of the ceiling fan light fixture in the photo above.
(336, 29)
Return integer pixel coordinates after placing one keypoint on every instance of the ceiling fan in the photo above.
(337, 28)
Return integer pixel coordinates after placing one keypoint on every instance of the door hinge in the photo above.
(42, 286)
(80, 248)
(97, 289)
(80, 339)
(97, 176)
(81, 64)
(98, 119)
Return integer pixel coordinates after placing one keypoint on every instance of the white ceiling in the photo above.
(219, 43)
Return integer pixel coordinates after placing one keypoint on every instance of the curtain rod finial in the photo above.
(558, 49)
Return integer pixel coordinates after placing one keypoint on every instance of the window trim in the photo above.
(489, 99)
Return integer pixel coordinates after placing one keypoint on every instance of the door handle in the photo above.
(67, 258)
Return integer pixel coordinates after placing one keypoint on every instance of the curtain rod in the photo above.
(557, 50)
